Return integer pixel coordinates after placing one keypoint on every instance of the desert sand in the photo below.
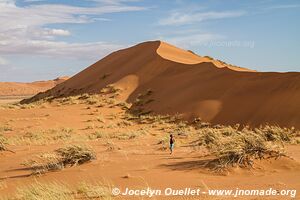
(153, 79)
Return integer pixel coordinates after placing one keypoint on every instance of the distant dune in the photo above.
(26, 89)
(193, 86)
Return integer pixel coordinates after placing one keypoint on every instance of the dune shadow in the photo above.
(19, 169)
(206, 164)
(16, 176)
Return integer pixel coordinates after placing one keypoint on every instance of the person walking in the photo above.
(172, 143)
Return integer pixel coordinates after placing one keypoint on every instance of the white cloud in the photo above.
(180, 18)
(24, 30)
(3, 61)
(283, 6)
(59, 32)
(54, 48)
(113, 1)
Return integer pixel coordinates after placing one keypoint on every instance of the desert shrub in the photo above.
(111, 89)
(210, 137)
(98, 134)
(91, 100)
(232, 147)
(276, 133)
(242, 150)
(124, 105)
(75, 154)
(61, 158)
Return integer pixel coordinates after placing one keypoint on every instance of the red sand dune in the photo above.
(24, 89)
(193, 86)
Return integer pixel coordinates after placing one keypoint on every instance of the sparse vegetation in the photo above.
(42, 191)
(127, 135)
(61, 191)
(44, 136)
(120, 129)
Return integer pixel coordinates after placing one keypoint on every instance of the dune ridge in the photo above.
(190, 85)
(18, 88)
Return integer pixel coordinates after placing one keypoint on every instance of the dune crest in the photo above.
(175, 54)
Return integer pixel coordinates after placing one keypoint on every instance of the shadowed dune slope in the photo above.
(191, 85)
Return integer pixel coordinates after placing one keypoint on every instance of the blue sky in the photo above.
(44, 39)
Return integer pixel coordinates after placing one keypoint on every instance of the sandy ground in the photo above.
(134, 163)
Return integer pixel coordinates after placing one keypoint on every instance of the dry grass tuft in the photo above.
(276, 133)
(233, 147)
(94, 191)
(242, 150)
(3, 143)
(75, 154)
(63, 157)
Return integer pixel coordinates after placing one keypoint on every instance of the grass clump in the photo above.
(94, 191)
(63, 157)
(75, 154)
(234, 147)
(98, 135)
(242, 150)
(3, 143)
(276, 133)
